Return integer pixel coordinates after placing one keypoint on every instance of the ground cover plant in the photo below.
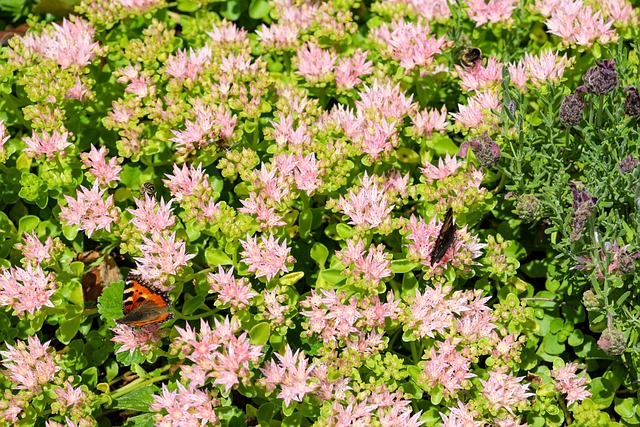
(320, 213)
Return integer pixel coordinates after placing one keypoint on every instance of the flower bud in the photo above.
(632, 102)
(612, 341)
(571, 109)
(628, 164)
(591, 301)
(486, 150)
(602, 78)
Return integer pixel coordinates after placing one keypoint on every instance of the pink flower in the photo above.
(162, 257)
(384, 100)
(518, 74)
(314, 63)
(268, 258)
(226, 35)
(70, 44)
(183, 66)
(282, 36)
(447, 367)
(547, 66)
(504, 391)
(235, 292)
(185, 407)
(411, 44)
(35, 251)
(349, 70)
(367, 205)
(274, 308)
(446, 167)
(78, 91)
(26, 290)
(570, 384)
(89, 211)
(217, 353)
(96, 160)
(188, 181)
(480, 77)
(145, 339)
(151, 215)
(461, 415)
(49, 145)
(579, 25)
(621, 11)
(478, 113)
(266, 215)
(69, 396)
(292, 374)
(426, 122)
(29, 366)
(371, 268)
(493, 11)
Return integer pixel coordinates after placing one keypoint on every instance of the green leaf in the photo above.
(293, 420)
(304, 222)
(216, 257)
(231, 10)
(291, 278)
(330, 278)
(90, 377)
(259, 9)
(626, 408)
(406, 155)
(265, 413)
(551, 346)
(403, 266)
(68, 329)
(319, 253)
(192, 304)
(344, 231)
(260, 333)
(27, 223)
(110, 302)
(69, 232)
(138, 399)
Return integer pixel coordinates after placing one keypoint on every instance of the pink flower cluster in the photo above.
(90, 212)
(217, 354)
(268, 258)
(26, 290)
(568, 383)
(29, 366)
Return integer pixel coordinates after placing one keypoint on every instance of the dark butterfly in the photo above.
(469, 56)
(445, 239)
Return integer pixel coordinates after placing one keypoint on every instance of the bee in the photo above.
(148, 189)
(469, 56)
(445, 239)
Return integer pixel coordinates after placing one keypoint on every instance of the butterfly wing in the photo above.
(445, 239)
(143, 305)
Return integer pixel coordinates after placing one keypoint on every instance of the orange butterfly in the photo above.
(445, 239)
(143, 305)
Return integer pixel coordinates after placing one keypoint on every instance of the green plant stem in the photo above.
(139, 383)
(195, 316)
(567, 414)
(600, 110)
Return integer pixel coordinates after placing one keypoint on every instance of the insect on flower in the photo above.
(445, 239)
(142, 304)
(469, 56)
(148, 189)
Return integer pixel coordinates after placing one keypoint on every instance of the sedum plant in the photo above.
(314, 213)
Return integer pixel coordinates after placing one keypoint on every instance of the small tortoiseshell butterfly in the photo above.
(143, 305)
(445, 239)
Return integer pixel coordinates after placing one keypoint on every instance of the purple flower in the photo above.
(602, 78)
